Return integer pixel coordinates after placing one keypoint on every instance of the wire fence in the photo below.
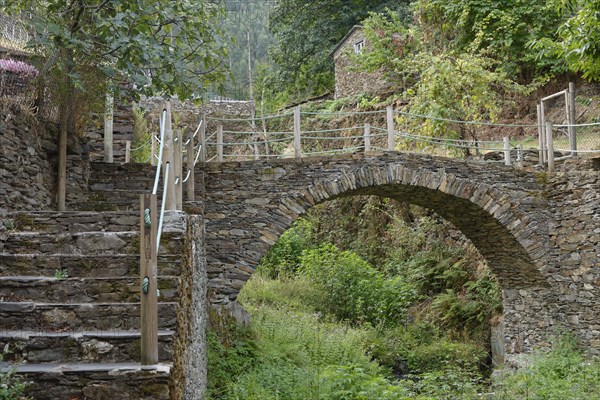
(395, 134)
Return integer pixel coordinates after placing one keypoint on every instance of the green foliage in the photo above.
(231, 350)
(159, 46)
(141, 147)
(499, 29)
(356, 292)
(306, 32)
(559, 374)
(422, 347)
(284, 257)
(577, 39)
(11, 385)
(61, 274)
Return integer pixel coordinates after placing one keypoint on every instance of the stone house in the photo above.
(349, 82)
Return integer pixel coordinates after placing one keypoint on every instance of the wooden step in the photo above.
(81, 290)
(76, 317)
(98, 381)
(79, 265)
(85, 346)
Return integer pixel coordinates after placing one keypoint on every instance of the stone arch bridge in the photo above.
(539, 233)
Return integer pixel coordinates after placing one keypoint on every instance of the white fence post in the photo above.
(571, 119)
(391, 128)
(550, 145)
(367, 137)
(108, 128)
(506, 141)
(220, 143)
(297, 134)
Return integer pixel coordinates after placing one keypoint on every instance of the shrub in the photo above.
(284, 257)
(356, 292)
(562, 373)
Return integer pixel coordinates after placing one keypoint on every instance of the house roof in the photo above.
(341, 43)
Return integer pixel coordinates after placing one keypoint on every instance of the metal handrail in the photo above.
(162, 206)
(160, 152)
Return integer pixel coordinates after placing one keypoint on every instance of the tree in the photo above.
(577, 41)
(142, 46)
(500, 29)
(306, 32)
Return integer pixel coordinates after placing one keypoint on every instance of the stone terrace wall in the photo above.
(26, 178)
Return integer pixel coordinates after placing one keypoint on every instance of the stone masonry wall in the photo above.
(539, 233)
(26, 180)
(349, 82)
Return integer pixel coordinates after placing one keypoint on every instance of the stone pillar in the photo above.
(189, 374)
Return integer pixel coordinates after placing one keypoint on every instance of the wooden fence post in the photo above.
(148, 280)
(550, 145)
(571, 119)
(297, 133)
(178, 169)
(190, 187)
(108, 128)
(506, 141)
(203, 138)
(367, 137)
(220, 143)
(391, 128)
(128, 151)
(168, 157)
(153, 149)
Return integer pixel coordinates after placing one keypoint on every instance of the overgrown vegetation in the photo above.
(366, 298)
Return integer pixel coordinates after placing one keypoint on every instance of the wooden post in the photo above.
(506, 140)
(367, 137)
(255, 134)
(550, 145)
(391, 128)
(177, 166)
(108, 128)
(542, 125)
(148, 280)
(190, 187)
(203, 138)
(168, 157)
(571, 119)
(520, 155)
(220, 143)
(153, 149)
(128, 151)
(297, 133)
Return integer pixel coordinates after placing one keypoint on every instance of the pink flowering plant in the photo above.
(18, 67)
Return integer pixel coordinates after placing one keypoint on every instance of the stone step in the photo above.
(81, 290)
(90, 346)
(73, 221)
(89, 243)
(77, 265)
(76, 317)
(98, 381)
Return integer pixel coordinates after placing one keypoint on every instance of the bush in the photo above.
(284, 257)
(356, 292)
(560, 374)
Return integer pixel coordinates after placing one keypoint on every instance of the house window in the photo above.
(358, 46)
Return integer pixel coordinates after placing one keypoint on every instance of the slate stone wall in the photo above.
(539, 233)
(26, 180)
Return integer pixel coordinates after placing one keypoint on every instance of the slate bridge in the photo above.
(539, 233)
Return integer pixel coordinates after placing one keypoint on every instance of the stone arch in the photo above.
(506, 236)
(495, 207)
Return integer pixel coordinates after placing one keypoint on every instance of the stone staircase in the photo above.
(69, 309)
